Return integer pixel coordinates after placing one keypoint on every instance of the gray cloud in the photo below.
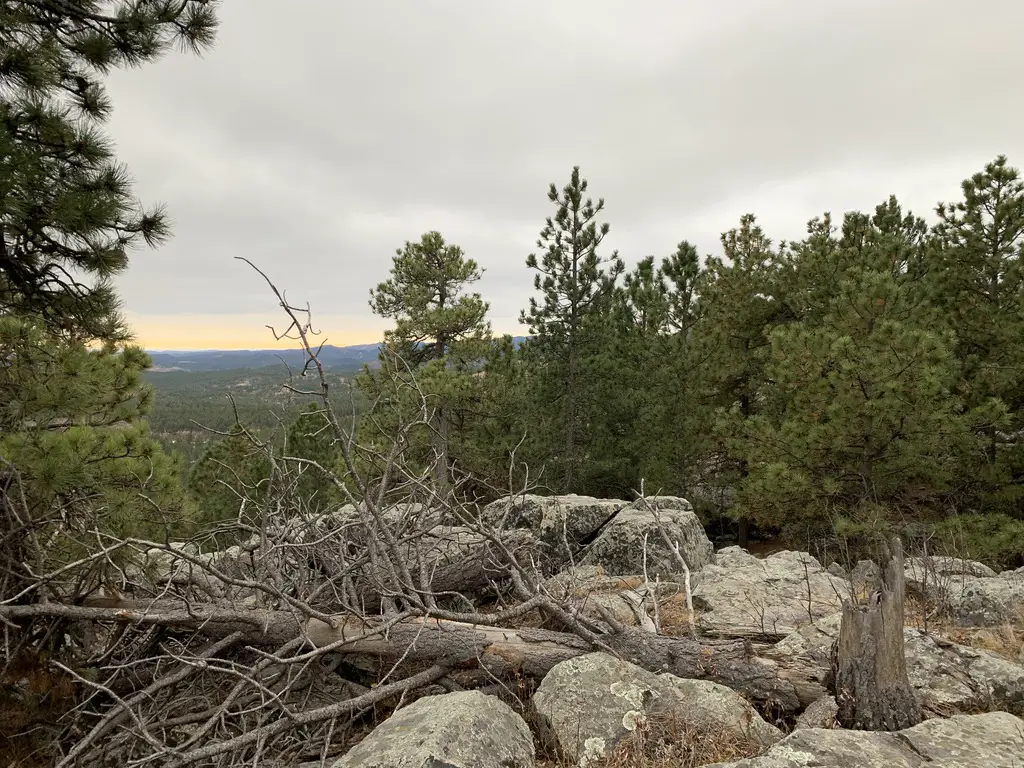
(318, 136)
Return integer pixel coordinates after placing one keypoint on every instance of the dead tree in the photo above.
(869, 665)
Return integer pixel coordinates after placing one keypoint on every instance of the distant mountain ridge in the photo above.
(332, 357)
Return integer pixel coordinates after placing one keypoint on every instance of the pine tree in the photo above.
(311, 437)
(859, 428)
(440, 336)
(565, 324)
(741, 301)
(675, 414)
(633, 328)
(644, 424)
(76, 447)
(978, 278)
(67, 217)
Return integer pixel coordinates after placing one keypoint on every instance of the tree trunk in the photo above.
(786, 684)
(743, 531)
(439, 441)
(868, 662)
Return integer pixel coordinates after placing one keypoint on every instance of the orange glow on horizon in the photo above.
(183, 333)
(194, 332)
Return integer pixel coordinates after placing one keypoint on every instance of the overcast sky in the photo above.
(320, 135)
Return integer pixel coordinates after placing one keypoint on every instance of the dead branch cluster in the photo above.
(276, 637)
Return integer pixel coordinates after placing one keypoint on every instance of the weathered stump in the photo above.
(869, 667)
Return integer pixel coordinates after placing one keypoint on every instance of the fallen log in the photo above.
(784, 684)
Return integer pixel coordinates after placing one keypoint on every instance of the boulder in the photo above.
(832, 748)
(993, 740)
(714, 708)
(970, 591)
(985, 602)
(557, 521)
(467, 729)
(939, 569)
(458, 559)
(620, 545)
(588, 705)
(588, 590)
(744, 596)
(947, 677)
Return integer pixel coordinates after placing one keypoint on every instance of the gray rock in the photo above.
(619, 547)
(821, 714)
(833, 748)
(587, 590)
(865, 576)
(467, 729)
(556, 520)
(937, 569)
(837, 570)
(970, 591)
(993, 740)
(986, 602)
(744, 596)
(947, 677)
(715, 708)
(589, 704)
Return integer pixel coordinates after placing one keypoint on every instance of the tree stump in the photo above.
(869, 667)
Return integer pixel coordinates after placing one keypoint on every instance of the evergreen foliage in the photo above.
(432, 355)
(77, 462)
(567, 329)
(67, 217)
(229, 480)
(73, 433)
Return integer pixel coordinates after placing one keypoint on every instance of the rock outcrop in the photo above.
(970, 591)
(563, 524)
(587, 705)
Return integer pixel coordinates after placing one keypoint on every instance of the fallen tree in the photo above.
(502, 652)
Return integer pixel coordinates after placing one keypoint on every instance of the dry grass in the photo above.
(1006, 639)
(675, 617)
(665, 741)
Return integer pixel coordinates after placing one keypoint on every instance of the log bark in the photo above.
(785, 684)
(868, 661)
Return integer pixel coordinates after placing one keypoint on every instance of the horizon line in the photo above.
(183, 350)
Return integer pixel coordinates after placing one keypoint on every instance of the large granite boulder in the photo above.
(745, 596)
(564, 524)
(621, 544)
(588, 705)
(970, 591)
(467, 729)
